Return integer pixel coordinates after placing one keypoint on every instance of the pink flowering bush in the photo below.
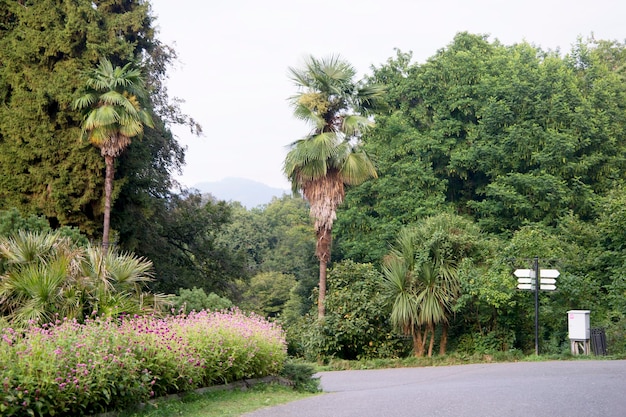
(69, 368)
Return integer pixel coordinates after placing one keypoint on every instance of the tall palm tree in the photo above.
(326, 160)
(113, 99)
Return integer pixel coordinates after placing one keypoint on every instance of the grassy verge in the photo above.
(227, 403)
(451, 359)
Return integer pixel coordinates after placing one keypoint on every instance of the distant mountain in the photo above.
(248, 192)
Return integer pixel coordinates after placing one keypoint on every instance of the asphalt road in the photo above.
(530, 389)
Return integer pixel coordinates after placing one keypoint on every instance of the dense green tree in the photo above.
(185, 245)
(356, 324)
(114, 99)
(509, 135)
(195, 299)
(329, 157)
(276, 237)
(267, 293)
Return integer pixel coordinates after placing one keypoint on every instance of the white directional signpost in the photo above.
(527, 280)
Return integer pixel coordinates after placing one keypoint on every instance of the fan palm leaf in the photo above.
(357, 168)
(28, 247)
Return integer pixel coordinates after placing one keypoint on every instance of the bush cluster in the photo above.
(68, 368)
(356, 324)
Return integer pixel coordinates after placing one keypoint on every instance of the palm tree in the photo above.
(113, 99)
(321, 164)
(422, 280)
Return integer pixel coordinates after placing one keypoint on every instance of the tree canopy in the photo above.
(509, 135)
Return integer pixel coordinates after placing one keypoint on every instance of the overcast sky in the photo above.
(234, 56)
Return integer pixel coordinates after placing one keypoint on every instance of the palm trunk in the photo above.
(108, 191)
(419, 342)
(431, 327)
(444, 339)
(324, 242)
(321, 308)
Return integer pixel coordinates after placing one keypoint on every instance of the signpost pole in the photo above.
(531, 279)
(537, 283)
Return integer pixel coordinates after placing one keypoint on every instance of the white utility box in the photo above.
(578, 324)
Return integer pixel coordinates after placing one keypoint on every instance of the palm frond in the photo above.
(396, 275)
(84, 101)
(116, 99)
(357, 168)
(368, 95)
(309, 115)
(354, 124)
(146, 119)
(433, 303)
(404, 247)
(129, 127)
(126, 270)
(101, 116)
(28, 247)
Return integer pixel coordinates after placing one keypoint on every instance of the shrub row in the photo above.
(69, 368)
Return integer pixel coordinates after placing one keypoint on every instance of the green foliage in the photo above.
(356, 323)
(276, 238)
(423, 275)
(44, 169)
(196, 299)
(301, 374)
(267, 293)
(186, 248)
(11, 222)
(509, 135)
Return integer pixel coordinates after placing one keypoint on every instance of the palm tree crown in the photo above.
(330, 156)
(116, 115)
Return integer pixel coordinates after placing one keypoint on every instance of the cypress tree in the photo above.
(45, 169)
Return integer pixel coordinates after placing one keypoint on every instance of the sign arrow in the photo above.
(549, 273)
(524, 273)
(547, 281)
(525, 286)
(525, 280)
(548, 287)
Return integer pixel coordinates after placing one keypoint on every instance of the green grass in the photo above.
(451, 359)
(225, 403)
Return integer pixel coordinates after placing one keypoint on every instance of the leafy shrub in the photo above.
(268, 292)
(301, 374)
(491, 342)
(196, 300)
(356, 324)
(68, 368)
(11, 222)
